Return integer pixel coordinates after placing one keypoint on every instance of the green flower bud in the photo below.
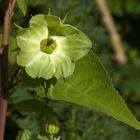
(52, 127)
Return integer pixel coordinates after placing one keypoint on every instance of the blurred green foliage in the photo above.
(78, 123)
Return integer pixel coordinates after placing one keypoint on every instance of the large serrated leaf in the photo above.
(22, 5)
(90, 86)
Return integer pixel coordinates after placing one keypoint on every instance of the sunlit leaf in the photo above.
(90, 86)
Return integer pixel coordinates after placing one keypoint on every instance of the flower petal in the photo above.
(53, 24)
(41, 67)
(66, 30)
(57, 28)
(63, 65)
(75, 46)
(29, 39)
(38, 20)
(26, 58)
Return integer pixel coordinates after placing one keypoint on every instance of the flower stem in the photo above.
(51, 137)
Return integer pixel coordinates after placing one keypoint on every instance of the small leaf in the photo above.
(90, 86)
(34, 105)
(22, 5)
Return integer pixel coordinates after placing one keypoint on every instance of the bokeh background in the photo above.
(80, 123)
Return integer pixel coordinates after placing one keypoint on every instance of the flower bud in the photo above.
(52, 127)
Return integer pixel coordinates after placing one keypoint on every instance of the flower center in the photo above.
(48, 45)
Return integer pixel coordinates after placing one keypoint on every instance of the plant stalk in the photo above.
(4, 91)
(51, 137)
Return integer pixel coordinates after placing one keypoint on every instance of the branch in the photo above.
(12, 3)
(4, 91)
(114, 35)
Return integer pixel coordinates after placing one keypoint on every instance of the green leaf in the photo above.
(90, 86)
(22, 5)
(12, 46)
(24, 135)
(34, 105)
(12, 54)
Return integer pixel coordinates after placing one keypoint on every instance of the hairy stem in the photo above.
(4, 66)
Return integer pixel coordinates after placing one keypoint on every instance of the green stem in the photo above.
(72, 123)
(51, 137)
